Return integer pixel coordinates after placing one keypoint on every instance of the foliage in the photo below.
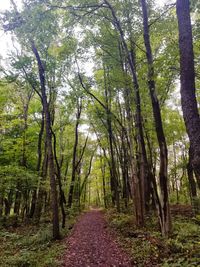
(32, 246)
(147, 247)
(184, 244)
(29, 247)
(12, 174)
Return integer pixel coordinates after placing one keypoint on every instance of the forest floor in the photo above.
(103, 238)
(91, 244)
(147, 247)
(29, 245)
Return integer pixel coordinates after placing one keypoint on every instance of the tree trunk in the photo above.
(113, 170)
(8, 203)
(74, 160)
(192, 183)
(58, 173)
(39, 160)
(87, 175)
(164, 202)
(42, 190)
(1, 204)
(104, 184)
(54, 198)
(187, 77)
(17, 200)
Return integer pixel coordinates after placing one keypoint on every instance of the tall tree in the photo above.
(32, 42)
(49, 140)
(187, 76)
(74, 160)
(163, 202)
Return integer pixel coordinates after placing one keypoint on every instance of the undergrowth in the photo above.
(148, 248)
(31, 246)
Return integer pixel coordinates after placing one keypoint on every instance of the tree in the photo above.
(20, 30)
(163, 202)
(187, 76)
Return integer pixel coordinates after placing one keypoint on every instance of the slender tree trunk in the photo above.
(54, 198)
(42, 191)
(150, 196)
(104, 187)
(192, 183)
(135, 182)
(124, 167)
(193, 190)
(113, 170)
(17, 200)
(87, 175)
(74, 161)
(187, 77)
(164, 202)
(175, 177)
(39, 160)
(25, 115)
(98, 201)
(103, 170)
(1, 204)
(33, 203)
(8, 203)
(7, 207)
(59, 178)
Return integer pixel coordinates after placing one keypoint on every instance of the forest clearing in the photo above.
(99, 133)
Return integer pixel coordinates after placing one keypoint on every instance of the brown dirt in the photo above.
(92, 245)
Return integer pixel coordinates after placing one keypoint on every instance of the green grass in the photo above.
(31, 246)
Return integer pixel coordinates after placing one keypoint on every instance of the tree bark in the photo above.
(51, 167)
(187, 77)
(1, 204)
(74, 160)
(113, 170)
(59, 178)
(8, 203)
(164, 202)
(41, 192)
(35, 197)
(17, 199)
(192, 184)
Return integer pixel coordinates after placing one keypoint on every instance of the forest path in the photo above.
(91, 245)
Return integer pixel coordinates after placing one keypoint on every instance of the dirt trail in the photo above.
(91, 245)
